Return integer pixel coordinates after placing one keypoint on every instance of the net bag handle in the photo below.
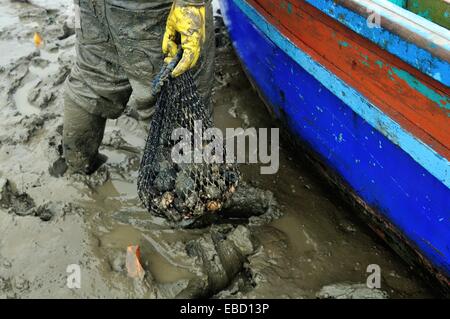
(164, 74)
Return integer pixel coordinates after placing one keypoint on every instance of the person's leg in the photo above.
(96, 89)
(83, 134)
(137, 29)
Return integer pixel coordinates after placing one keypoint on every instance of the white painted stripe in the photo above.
(407, 51)
(428, 30)
(437, 165)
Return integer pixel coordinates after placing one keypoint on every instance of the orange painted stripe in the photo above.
(366, 67)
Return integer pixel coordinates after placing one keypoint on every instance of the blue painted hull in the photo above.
(377, 171)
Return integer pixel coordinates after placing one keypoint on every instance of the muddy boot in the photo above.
(82, 136)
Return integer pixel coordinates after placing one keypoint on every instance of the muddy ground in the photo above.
(49, 221)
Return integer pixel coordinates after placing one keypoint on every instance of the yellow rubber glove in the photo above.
(189, 22)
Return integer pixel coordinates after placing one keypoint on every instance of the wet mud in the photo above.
(308, 246)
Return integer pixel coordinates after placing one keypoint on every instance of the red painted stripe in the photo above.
(353, 59)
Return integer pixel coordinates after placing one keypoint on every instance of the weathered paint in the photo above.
(394, 44)
(437, 11)
(311, 102)
(422, 116)
(400, 3)
(412, 111)
(441, 100)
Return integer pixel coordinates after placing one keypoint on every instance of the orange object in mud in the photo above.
(37, 40)
(133, 262)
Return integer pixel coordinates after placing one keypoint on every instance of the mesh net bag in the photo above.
(187, 190)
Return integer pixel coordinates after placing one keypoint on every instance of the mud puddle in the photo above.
(19, 49)
(316, 242)
(40, 68)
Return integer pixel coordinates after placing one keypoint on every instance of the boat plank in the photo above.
(417, 102)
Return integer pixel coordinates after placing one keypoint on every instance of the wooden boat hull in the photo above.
(373, 109)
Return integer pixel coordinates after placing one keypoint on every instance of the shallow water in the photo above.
(7, 16)
(11, 50)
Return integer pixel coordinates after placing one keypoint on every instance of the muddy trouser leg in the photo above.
(117, 46)
(83, 134)
(96, 89)
(138, 37)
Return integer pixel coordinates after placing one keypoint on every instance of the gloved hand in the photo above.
(189, 22)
